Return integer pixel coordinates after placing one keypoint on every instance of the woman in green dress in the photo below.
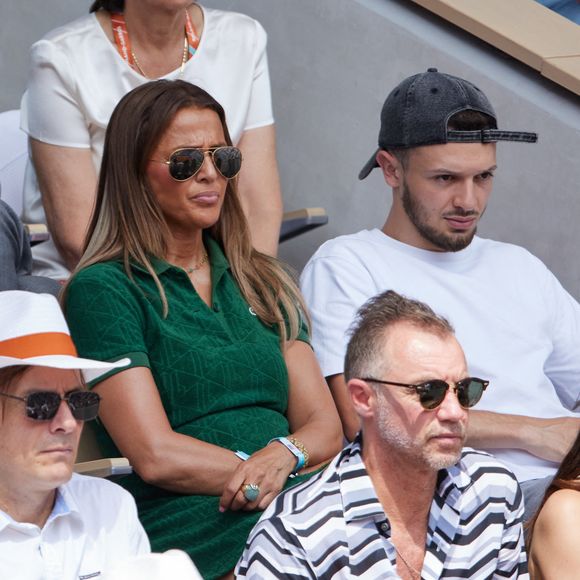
(223, 404)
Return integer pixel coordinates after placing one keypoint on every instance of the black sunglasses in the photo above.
(185, 163)
(432, 393)
(43, 405)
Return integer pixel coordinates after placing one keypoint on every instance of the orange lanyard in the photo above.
(123, 42)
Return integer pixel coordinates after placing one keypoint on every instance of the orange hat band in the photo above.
(40, 344)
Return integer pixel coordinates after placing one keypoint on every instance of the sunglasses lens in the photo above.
(469, 391)
(42, 406)
(185, 163)
(432, 393)
(228, 161)
(84, 405)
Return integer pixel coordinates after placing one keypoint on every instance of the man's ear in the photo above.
(391, 168)
(362, 396)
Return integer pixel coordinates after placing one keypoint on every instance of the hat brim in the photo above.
(369, 166)
(92, 369)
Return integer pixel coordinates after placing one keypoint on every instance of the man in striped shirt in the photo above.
(404, 500)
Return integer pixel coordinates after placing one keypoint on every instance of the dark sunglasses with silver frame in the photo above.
(431, 393)
(44, 405)
(184, 163)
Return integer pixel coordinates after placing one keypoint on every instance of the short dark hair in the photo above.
(402, 155)
(8, 375)
(364, 353)
(108, 5)
(471, 120)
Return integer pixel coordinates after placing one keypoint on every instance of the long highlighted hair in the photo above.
(128, 224)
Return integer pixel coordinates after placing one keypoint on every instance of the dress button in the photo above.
(216, 307)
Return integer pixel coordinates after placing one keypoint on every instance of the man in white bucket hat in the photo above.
(53, 524)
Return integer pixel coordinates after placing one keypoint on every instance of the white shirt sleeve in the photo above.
(50, 108)
(563, 363)
(260, 106)
(334, 289)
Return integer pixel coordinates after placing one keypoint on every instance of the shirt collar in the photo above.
(356, 488)
(218, 262)
(217, 259)
(359, 496)
(64, 505)
(453, 481)
(65, 502)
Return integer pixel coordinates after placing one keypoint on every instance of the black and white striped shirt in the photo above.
(333, 526)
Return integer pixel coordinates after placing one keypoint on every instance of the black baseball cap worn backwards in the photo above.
(418, 110)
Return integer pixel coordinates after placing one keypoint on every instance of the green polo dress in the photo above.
(220, 373)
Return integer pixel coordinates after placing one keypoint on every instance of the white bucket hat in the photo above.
(33, 332)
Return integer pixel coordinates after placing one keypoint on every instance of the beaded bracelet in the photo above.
(300, 446)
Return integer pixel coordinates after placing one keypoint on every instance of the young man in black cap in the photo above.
(517, 325)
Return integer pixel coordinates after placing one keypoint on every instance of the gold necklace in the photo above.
(409, 567)
(183, 59)
(197, 266)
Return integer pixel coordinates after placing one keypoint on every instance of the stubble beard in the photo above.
(441, 240)
(416, 453)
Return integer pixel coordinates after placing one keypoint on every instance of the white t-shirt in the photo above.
(518, 327)
(77, 77)
(92, 527)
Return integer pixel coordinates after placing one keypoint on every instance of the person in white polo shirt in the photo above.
(53, 525)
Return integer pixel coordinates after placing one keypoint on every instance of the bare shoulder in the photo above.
(561, 510)
(554, 552)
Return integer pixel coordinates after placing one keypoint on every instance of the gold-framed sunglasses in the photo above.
(184, 163)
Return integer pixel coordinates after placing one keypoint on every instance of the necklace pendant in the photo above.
(197, 266)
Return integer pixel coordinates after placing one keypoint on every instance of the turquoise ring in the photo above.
(251, 491)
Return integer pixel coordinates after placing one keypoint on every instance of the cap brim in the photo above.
(92, 369)
(369, 166)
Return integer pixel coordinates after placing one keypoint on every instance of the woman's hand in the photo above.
(268, 468)
(313, 420)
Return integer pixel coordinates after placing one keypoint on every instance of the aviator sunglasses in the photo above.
(185, 163)
(43, 405)
(431, 393)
